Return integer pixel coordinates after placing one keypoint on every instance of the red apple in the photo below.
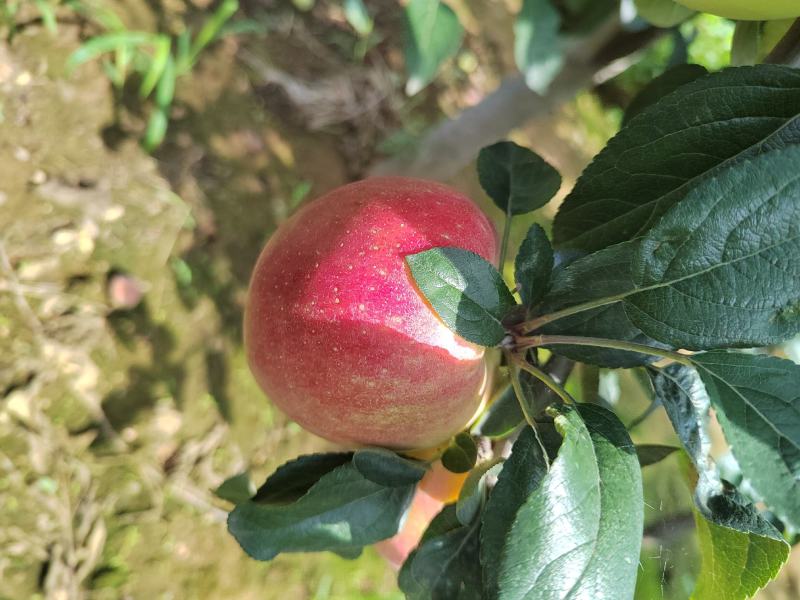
(338, 336)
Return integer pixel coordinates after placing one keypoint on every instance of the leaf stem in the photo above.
(533, 324)
(515, 383)
(513, 368)
(541, 376)
(535, 341)
(504, 243)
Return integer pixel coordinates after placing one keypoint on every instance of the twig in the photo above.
(787, 52)
(545, 378)
(450, 146)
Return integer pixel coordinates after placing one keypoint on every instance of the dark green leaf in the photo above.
(661, 86)
(722, 268)
(537, 47)
(600, 555)
(681, 392)
(522, 473)
(349, 553)
(740, 551)
(433, 35)
(517, 179)
(461, 455)
(386, 468)
(467, 292)
(293, 479)
(341, 512)
(757, 400)
(657, 159)
(604, 274)
(236, 489)
(473, 491)
(662, 13)
(533, 266)
(445, 565)
(501, 418)
(650, 454)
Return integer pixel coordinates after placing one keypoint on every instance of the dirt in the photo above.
(117, 424)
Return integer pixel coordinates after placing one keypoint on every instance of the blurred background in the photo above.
(148, 148)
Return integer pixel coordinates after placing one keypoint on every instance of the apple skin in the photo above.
(437, 488)
(335, 331)
(747, 10)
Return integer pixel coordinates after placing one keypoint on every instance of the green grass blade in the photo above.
(48, 15)
(109, 42)
(212, 27)
(161, 55)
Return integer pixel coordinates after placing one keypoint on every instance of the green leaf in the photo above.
(156, 128)
(741, 552)
(433, 35)
(161, 54)
(210, 30)
(533, 266)
(109, 42)
(48, 15)
(651, 454)
(722, 268)
(662, 13)
(236, 489)
(358, 16)
(682, 394)
(501, 418)
(537, 45)
(165, 89)
(341, 512)
(522, 473)
(466, 291)
(386, 468)
(518, 180)
(473, 491)
(293, 479)
(654, 162)
(604, 274)
(599, 556)
(461, 455)
(757, 401)
(444, 565)
(662, 86)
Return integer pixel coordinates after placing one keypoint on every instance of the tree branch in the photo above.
(787, 52)
(453, 144)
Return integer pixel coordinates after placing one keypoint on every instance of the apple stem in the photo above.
(514, 359)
